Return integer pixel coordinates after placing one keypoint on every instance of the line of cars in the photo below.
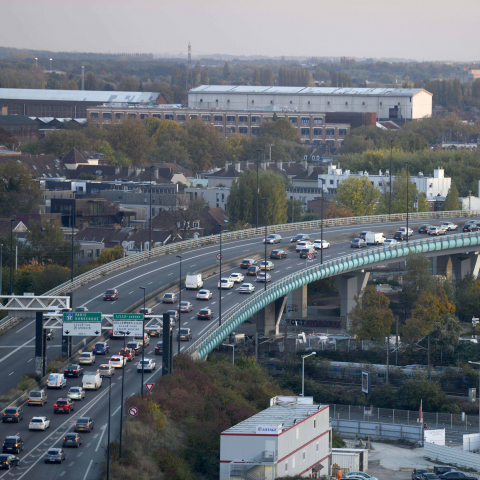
(444, 472)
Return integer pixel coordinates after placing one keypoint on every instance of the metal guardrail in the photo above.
(255, 302)
(7, 323)
(130, 260)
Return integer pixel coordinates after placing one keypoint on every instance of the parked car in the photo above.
(111, 294)
(358, 243)
(204, 295)
(441, 469)
(72, 440)
(253, 270)
(39, 423)
(389, 241)
(106, 370)
(273, 238)
(246, 288)
(73, 371)
(83, 424)
(437, 231)
(101, 348)
(418, 472)
(205, 314)
(304, 252)
(146, 312)
(299, 237)
(430, 476)
(169, 298)
(264, 277)
(146, 364)
(321, 244)
(76, 393)
(225, 284)
(278, 254)
(159, 348)
(81, 309)
(185, 334)
(37, 397)
(449, 226)
(364, 475)
(7, 461)
(87, 358)
(185, 307)
(55, 455)
(13, 444)
(456, 475)
(154, 330)
(247, 262)
(64, 405)
(236, 277)
(267, 265)
(424, 229)
(12, 414)
(302, 245)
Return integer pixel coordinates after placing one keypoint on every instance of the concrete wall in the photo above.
(451, 456)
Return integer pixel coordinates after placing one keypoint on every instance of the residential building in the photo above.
(467, 75)
(40, 166)
(289, 438)
(76, 157)
(22, 128)
(431, 186)
(214, 196)
(89, 250)
(386, 103)
(6, 151)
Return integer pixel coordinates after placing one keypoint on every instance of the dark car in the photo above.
(429, 476)
(185, 307)
(101, 348)
(73, 371)
(81, 309)
(146, 311)
(471, 226)
(441, 469)
(65, 405)
(55, 455)
(128, 353)
(278, 254)
(253, 270)
(173, 315)
(400, 236)
(185, 334)
(83, 424)
(135, 346)
(7, 461)
(205, 314)
(13, 444)
(111, 294)
(12, 414)
(363, 235)
(72, 440)
(299, 237)
(305, 251)
(358, 243)
(418, 472)
(159, 348)
(456, 475)
(424, 229)
(247, 262)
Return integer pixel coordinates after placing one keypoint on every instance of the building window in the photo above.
(305, 131)
(255, 130)
(107, 116)
(243, 130)
(201, 100)
(304, 455)
(331, 182)
(218, 118)
(180, 118)
(219, 129)
(309, 102)
(346, 103)
(363, 103)
(380, 103)
(328, 103)
(168, 116)
(223, 197)
(305, 120)
(271, 102)
(314, 424)
(293, 461)
(317, 132)
(143, 116)
(97, 253)
(317, 446)
(297, 434)
(286, 466)
(216, 101)
(196, 224)
(293, 119)
(119, 116)
(243, 119)
(318, 121)
(380, 184)
(255, 119)
(94, 115)
(155, 115)
(132, 115)
(342, 131)
(253, 101)
(230, 130)
(205, 118)
(193, 117)
(231, 118)
(330, 131)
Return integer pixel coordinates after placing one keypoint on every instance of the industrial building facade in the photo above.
(387, 103)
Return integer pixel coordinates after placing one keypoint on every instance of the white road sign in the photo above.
(82, 329)
(133, 326)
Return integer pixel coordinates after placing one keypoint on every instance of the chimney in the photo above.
(279, 165)
(263, 165)
(226, 166)
(310, 169)
(304, 164)
(155, 173)
(237, 166)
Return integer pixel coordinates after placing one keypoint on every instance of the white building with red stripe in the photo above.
(292, 437)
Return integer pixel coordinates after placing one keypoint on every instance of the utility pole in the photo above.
(396, 340)
(428, 338)
(388, 358)
(258, 161)
(271, 145)
(390, 174)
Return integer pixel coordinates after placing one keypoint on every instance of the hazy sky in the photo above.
(418, 29)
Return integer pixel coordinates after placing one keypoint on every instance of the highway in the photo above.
(17, 345)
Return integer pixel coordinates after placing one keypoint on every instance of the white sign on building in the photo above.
(435, 436)
(268, 429)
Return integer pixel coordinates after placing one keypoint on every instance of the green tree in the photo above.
(452, 201)
(294, 210)
(468, 298)
(281, 129)
(357, 144)
(204, 76)
(429, 392)
(226, 71)
(371, 318)
(447, 331)
(18, 192)
(418, 279)
(357, 194)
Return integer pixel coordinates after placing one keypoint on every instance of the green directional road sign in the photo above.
(128, 316)
(82, 324)
(82, 317)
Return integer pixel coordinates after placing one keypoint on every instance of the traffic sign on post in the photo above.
(149, 386)
(309, 257)
(128, 322)
(133, 411)
(82, 324)
(219, 256)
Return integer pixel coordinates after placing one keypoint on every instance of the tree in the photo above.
(429, 392)
(371, 318)
(226, 71)
(452, 201)
(236, 144)
(281, 129)
(417, 280)
(337, 211)
(294, 210)
(357, 194)
(18, 192)
(7, 139)
(204, 76)
(357, 144)
(468, 298)
(447, 331)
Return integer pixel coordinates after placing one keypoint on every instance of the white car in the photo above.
(321, 244)
(301, 245)
(118, 361)
(148, 364)
(436, 231)
(449, 226)
(364, 475)
(246, 288)
(76, 393)
(225, 283)
(404, 230)
(236, 277)
(273, 238)
(204, 295)
(389, 241)
(87, 358)
(39, 423)
(268, 265)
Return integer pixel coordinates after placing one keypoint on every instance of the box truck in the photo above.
(373, 238)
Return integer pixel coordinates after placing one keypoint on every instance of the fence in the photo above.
(451, 456)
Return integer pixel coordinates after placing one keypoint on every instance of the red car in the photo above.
(111, 294)
(63, 405)
(127, 353)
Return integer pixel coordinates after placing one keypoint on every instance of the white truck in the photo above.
(193, 281)
(91, 381)
(373, 238)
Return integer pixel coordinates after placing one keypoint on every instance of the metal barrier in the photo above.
(238, 314)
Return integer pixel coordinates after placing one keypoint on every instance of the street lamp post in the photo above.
(265, 200)
(73, 228)
(179, 301)
(220, 283)
(233, 351)
(321, 221)
(50, 64)
(477, 363)
(121, 402)
(390, 174)
(474, 324)
(406, 163)
(303, 370)
(1, 267)
(108, 435)
(11, 255)
(258, 161)
(150, 223)
(143, 332)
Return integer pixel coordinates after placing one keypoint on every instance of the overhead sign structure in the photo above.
(128, 322)
(149, 386)
(82, 324)
(133, 411)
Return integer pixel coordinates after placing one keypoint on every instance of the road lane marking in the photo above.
(185, 323)
(16, 350)
(131, 270)
(71, 464)
(25, 326)
(88, 468)
(30, 360)
(150, 283)
(80, 454)
(104, 429)
(11, 373)
(96, 435)
(131, 292)
(88, 444)
(64, 472)
(116, 411)
(213, 303)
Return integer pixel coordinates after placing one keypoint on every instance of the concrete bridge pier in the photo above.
(350, 285)
(442, 265)
(269, 318)
(464, 264)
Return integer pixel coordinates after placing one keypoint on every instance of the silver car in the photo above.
(246, 288)
(449, 226)
(106, 370)
(204, 295)
(76, 393)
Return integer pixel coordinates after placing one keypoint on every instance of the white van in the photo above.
(373, 238)
(91, 381)
(193, 281)
(56, 380)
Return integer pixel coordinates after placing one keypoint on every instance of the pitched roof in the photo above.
(16, 120)
(219, 215)
(143, 235)
(230, 173)
(5, 225)
(104, 172)
(310, 176)
(75, 157)
(41, 166)
(106, 235)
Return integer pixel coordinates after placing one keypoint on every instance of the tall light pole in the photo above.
(321, 221)
(143, 332)
(258, 161)
(265, 200)
(271, 145)
(406, 163)
(108, 435)
(11, 255)
(1, 267)
(150, 223)
(121, 402)
(50, 64)
(73, 227)
(390, 173)
(220, 282)
(477, 363)
(179, 301)
(303, 370)
(36, 63)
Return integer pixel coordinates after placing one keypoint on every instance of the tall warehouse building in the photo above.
(387, 103)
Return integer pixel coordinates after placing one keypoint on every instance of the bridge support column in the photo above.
(269, 317)
(442, 265)
(350, 285)
(298, 303)
(464, 264)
